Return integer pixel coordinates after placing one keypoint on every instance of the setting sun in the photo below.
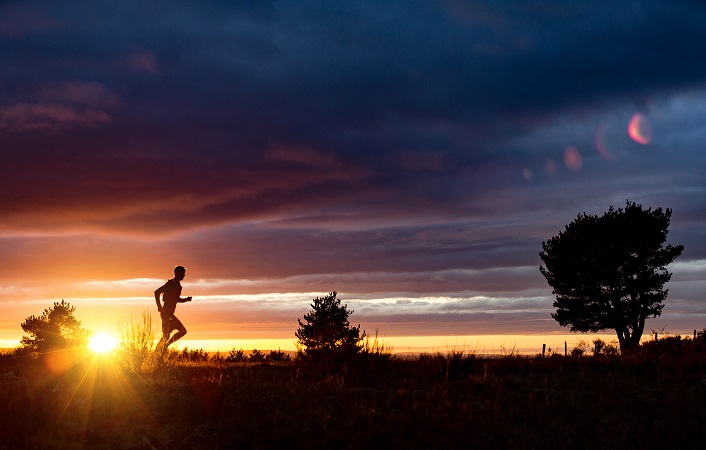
(102, 343)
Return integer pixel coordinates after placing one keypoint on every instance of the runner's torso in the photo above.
(172, 293)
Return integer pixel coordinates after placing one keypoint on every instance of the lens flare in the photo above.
(550, 166)
(102, 343)
(572, 158)
(600, 144)
(639, 129)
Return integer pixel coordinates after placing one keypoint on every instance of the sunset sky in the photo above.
(411, 156)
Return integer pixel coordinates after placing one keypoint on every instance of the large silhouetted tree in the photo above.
(608, 272)
(55, 329)
(327, 329)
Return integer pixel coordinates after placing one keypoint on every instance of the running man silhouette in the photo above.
(171, 295)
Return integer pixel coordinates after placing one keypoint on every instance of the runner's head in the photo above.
(180, 272)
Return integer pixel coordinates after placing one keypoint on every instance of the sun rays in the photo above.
(98, 381)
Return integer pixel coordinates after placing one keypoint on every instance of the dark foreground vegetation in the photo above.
(654, 398)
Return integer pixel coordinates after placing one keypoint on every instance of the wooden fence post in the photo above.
(544, 348)
(564, 348)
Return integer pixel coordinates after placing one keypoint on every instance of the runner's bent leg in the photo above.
(181, 330)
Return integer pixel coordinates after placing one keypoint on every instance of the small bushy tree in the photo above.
(193, 356)
(256, 356)
(326, 329)
(236, 356)
(580, 348)
(57, 328)
(277, 356)
(600, 347)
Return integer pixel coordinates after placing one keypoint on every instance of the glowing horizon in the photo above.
(493, 316)
(480, 345)
(469, 344)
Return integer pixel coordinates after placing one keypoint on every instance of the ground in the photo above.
(430, 402)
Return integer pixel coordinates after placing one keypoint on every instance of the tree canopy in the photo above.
(327, 328)
(56, 328)
(609, 272)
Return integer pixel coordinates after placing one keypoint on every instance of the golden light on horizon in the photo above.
(102, 343)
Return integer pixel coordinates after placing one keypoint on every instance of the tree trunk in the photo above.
(635, 339)
(626, 340)
(631, 341)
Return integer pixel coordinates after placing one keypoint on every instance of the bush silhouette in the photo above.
(327, 342)
(326, 328)
(195, 356)
(256, 356)
(600, 347)
(278, 356)
(236, 356)
(55, 329)
(580, 348)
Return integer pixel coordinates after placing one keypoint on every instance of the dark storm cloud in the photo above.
(368, 82)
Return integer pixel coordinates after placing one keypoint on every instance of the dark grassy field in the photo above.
(656, 399)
